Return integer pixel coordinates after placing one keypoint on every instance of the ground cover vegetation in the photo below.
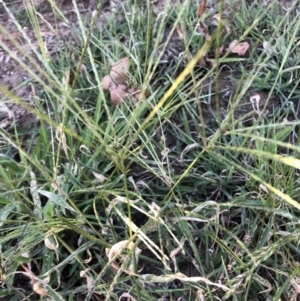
(149, 150)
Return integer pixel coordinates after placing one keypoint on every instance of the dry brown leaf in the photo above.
(118, 94)
(180, 33)
(117, 248)
(107, 83)
(35, 284)
(238, 48)
(203, 31)
(39, 290)
(117, 84)
(221, 49)
(119, 71)
(89, 280)
(141, 96)
(138, 95)
(201, 9)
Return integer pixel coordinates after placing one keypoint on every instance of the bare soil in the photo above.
(21, 84)
(12, 76)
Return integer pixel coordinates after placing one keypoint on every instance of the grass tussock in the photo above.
(153, 153)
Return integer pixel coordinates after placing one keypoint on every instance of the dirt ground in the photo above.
(18, 81)
(12, 76)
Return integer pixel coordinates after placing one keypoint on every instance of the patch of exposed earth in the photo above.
(59, 26)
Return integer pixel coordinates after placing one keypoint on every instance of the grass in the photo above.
(192, 193)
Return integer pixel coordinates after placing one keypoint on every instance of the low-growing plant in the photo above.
(155, 156)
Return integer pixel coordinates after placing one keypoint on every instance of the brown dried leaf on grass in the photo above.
(221, 49)
(89, 280)
(117, 84)
(201, 9)
(119, 71)
(138, 95)
(35, 284)
(118, 94)
(203, 31)
(117, 249)
(238, 48)
(117, 75)
(107, 82)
